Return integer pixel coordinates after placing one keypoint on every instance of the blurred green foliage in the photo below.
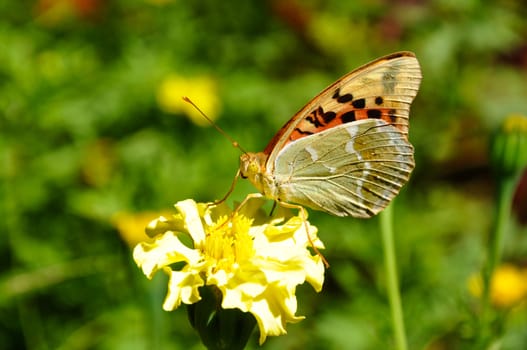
(83, 136)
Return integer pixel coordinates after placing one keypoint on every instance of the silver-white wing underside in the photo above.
(354, 169)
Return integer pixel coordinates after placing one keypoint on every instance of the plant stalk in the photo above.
(390, 265)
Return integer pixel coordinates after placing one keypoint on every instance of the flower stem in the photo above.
(505, 194)
(495, 245)
(394, 297)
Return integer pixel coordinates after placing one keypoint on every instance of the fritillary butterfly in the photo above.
(347, 151)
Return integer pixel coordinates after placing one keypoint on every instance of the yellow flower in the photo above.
(508, 286)
(131, 226)
(255, 260)
(201, 90)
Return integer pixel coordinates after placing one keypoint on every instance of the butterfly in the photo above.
(347, 151)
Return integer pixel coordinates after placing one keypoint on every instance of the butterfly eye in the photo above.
(252, 167)
(244, 164)
(248, 167)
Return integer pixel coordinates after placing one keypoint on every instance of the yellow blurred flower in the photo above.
(508, 286)
(98, 163)
(131, 226)
(201, 90)
(515, 123)
(255, 266)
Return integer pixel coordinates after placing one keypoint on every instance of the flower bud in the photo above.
(508, 153)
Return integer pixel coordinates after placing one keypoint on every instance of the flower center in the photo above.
(228, 241)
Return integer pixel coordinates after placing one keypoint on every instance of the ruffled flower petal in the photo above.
(255, 267)
(182, 287)
(164, 251)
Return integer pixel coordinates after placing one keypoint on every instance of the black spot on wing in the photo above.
(303, 132)
(348, 117)
(360, 103)
(391, 114)
(329, 116)
(313, 119)
(336, 94)
(342, 98)
(378, 100)
(374, 113)
(345, 98)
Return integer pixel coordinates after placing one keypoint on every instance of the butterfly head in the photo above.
(252, 167)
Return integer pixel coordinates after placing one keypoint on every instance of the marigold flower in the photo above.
(508, 286)
(254, 260)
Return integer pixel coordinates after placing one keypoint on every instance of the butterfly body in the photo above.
(347, 151)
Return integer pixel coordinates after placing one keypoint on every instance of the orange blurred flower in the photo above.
(52, 12)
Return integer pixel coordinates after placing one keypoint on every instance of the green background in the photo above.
(82, 137)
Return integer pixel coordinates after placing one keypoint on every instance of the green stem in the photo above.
(495, 247)
(505, 195)
(394, 297)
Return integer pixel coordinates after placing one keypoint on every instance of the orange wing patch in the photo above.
(382, 89)
(349, 110)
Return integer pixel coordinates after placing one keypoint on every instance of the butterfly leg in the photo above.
(246, 199)
(233, 184)
(272, 209)
(303, 215)
(235, 211)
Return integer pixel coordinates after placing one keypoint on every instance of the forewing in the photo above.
(353, 169)
(382, 89)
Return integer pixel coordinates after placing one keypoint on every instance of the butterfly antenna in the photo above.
(220, 130)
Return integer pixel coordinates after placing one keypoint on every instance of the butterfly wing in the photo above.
(382, 89)
(347, 151)
(353, 169)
